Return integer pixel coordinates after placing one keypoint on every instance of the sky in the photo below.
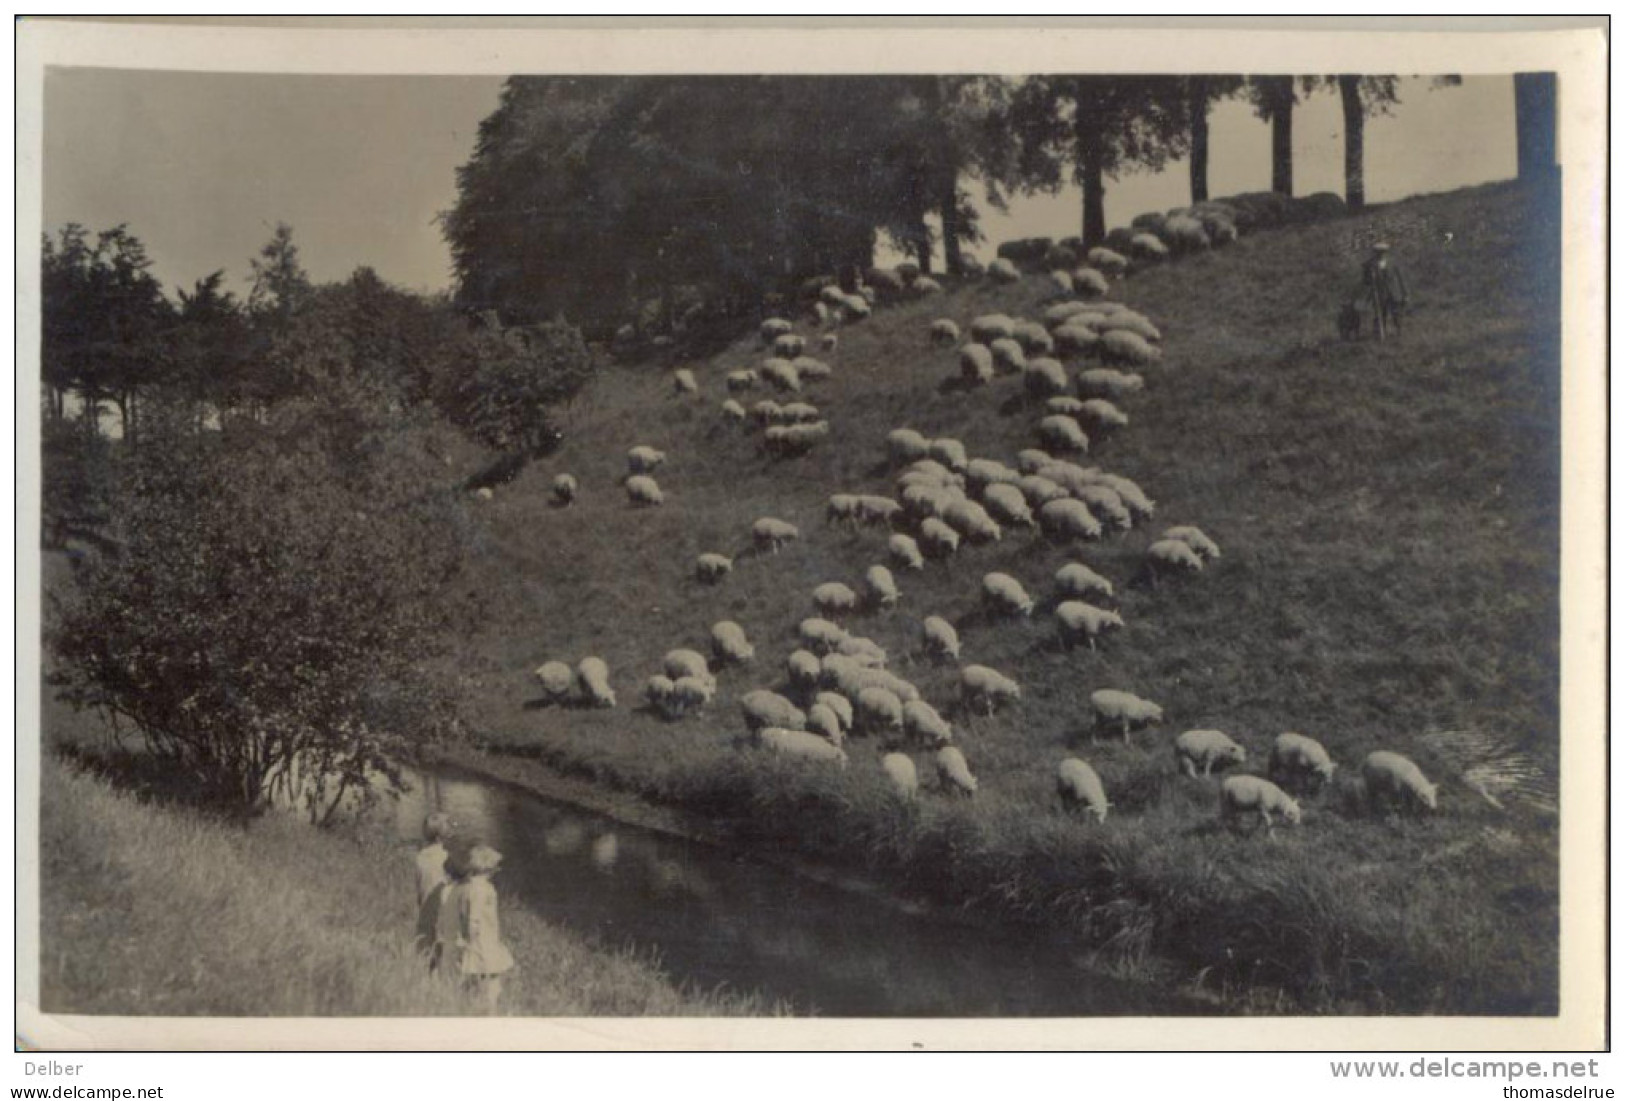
(202, 166)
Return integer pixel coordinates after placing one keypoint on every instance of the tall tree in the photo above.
(1362, 97)
(1275, 98)
(1100, 126)
(1201, 92)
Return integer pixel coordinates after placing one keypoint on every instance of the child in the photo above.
(468, 927)
(431, 876)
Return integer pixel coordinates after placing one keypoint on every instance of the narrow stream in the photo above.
(719, 919)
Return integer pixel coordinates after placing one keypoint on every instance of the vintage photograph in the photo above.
(1002, 543)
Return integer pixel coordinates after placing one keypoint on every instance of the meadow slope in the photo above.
(1388, 515)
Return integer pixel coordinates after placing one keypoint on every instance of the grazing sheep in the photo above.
(798, 412)
(1109, 383)
(1185, 234)
(800, 745)
(1391, 777)
(770, 534)
(1075, 579)
(950, 453)
(743, 379)
(905, 552)
(1044, 377)
(880, 587)
(1034, 338)
(971, 267)
(922, 501)
(830, 293)
(981, 473)
(1076, 338)
(944, 333)
(686, 663)
(854, 679)
(1003, 595)
(1065, 406)
(1208, 749)
(660, 692)
(1129, 321)
(1008, 357)
(1124, 710)
(828, 342)
(877, 511)
(763, 708)
(782, 374)
(786, 441)
(557, 679)
(1241, 795)
(972, 521)
(879, 709)
(773, 328)
(932, 470)
(1112, 263)
(1039, 491)
(841, 508)
(1030, 460)
(1085, 621)
(729, 644)
(804, 670)
(1079, 786)
(765, 412)
(900, 772)
(593, 676)
(921, 722)
(1060, 313)
(905, 445)
(1069, 519)
(1194, 538)
(821, 635)
(809, 369)
(924, 287)
(644, 491)
(712, 568)
(953, 772)
(1106, 502)
(832, 598)
(821, 720)
(1003, 271)
(1147, 246)
(992, 326)
(690, 694)
(839, 705)
(865, 651)
(1007, 505)
(1103, 414)
(1122, 346)
(733, 411)
(1062, 281)
(855, 307)
(1090, 283)
(644, 459)
(1300, 761)
(1131, 494)
(789, 346)
(683, 381)
(980, 685)
(1171, 556)
(1062, 433)
(941, 640)
(937, 538)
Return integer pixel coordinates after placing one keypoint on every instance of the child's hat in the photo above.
(482, 860)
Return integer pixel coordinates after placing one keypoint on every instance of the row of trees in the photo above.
(603, 197)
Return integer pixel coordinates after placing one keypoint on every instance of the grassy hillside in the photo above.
(1388, 517)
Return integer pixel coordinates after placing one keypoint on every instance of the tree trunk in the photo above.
(1535, 99)
(922, 249)
(1281, 148)
(1353, 142)
(1091, 158)
(1198, 104)
(952, 259)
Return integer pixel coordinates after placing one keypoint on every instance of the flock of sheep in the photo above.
(838, 684)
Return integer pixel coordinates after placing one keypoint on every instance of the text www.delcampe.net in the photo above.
(1508, 1069)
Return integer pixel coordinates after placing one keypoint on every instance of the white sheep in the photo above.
(1132, 495)
(593, 675)
(1076, 338)
(839, 705)
(901, 774)
(821, 635)
(1060, 313)
(933, 470)
(1029, 460)
(1300, 760)
(1105, 502)
(879, 709)
(855, 307)
(864, 651)
(972, 521)
(743, 379)
(905, 552)
(830, 294)
(787, 440)
(953, 772)
(1067, 406)
(1034, 338)
(1039, 490)
(773, 328)
(834, 598)
(937, 538)
(1003, 271)
(876, 511)
(924, 287)
(1007, 505)
(821, 720)
(1062, 433)
(949, 452)
(1077, 580)
(782, 374)
(1069, 519)
(1109, 383)
(809, 369)
(1004, 595)
(683, 381)
(690, 694)
(1079, 620)
(1122, 346)
(644, 459)
(644, 491)
(762, 708)
(905, 445)
(686, 663)
(1206, 749)
(804, 670)
(1112, 263)
(1129, 321)
(923, 501)
(921, 722)
(1088, 281)
(1185, 234)
(712, 568)
(841, 508)
(992, 326)
(564, 490)
(733, 411)
(729, 644)
(1241, 795)
(981, 473)
(1124, 710)
(1008, 356)
(1103, 414)
(1044, 377)
(1062, 281)
(1079, 786)
(557, 679)
(1390, 776)
(851, 679)
(789, 346)
(979, 684)
(941, 640)
(1147, 246)
(770, 534)
(660, 691)
(798, 412)
(800, 745)
(1171, 556)
(944, 332)
(880, 587)
(765, 412)
(1194, 538)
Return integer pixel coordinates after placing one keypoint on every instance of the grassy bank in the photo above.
(1388, 515)
(154, 911)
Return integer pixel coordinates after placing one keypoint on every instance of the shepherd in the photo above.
(1385, 289)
